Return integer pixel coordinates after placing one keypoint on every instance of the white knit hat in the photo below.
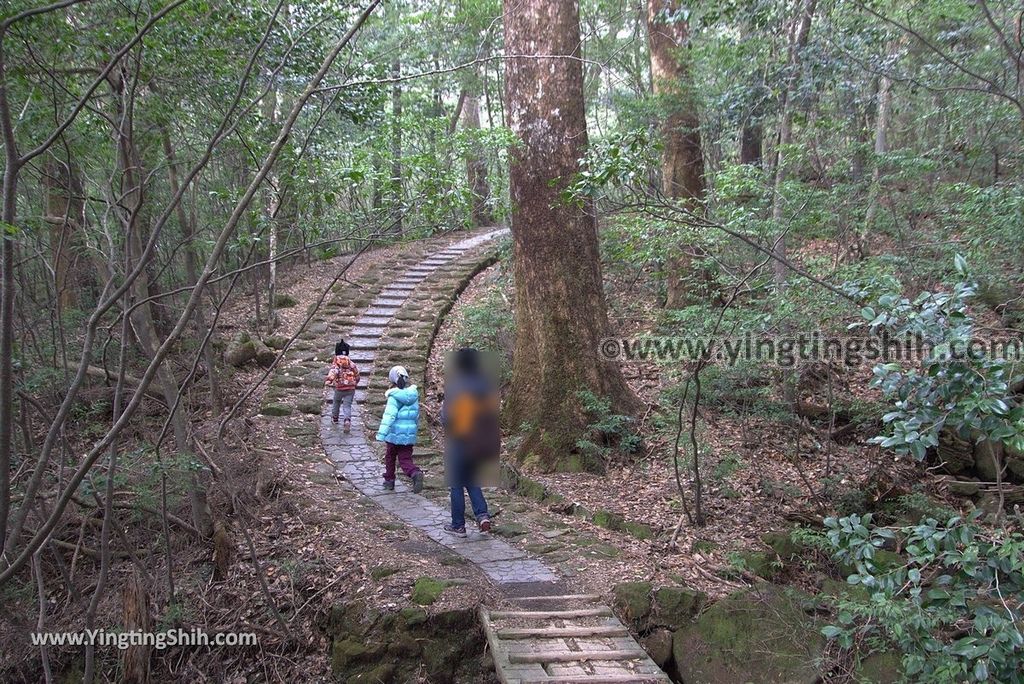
(396, 372)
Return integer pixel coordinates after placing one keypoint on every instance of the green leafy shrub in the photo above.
(607, 432)
(951, 604)
(955, 384)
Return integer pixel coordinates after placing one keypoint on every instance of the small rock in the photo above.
(284, 301)
(275, 341)
(509, 529)
(551, 534)
(543, 548)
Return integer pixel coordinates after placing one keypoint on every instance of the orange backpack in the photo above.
(347, 375)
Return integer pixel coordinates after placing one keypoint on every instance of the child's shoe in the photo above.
(457, 531)
(484, 524)
(389, 485)
(417, 482)
(348, 425)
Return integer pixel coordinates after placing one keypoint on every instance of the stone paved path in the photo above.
(354, 457)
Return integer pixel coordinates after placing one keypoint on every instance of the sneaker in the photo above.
(348, 425)
(334, 419)
(389, 485)
(417, 483)
(485, 525)
(457, 531)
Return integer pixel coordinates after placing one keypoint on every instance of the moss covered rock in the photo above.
(759, 635)
(783, 545)
(638, 530)
(426, 590)
(285, 301)
(675, 607)
(608, 520)
(240, 351)
(309, 406)
(276, 409)
(275, 341)
(632, 600)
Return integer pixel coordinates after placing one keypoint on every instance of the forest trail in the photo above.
(561, 643)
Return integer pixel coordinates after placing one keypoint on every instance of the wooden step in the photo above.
(596, 679)
(603, 611)
(562, 632)
(561, 597)
(575, 656)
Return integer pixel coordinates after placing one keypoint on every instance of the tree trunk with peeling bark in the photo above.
(561, 314)
(682, 159)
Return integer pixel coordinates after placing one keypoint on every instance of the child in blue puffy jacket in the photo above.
(398, 429)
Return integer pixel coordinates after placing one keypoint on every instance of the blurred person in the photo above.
(469, 413)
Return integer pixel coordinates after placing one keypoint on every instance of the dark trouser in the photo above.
(343, 399)
(403, 454)
(462, 478)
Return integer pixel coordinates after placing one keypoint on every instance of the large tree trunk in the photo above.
(476, 165)
(682, 161)
(560, 308)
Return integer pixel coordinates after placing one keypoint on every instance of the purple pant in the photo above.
(401, 452)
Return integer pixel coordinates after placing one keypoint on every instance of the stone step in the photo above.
(366, 331)
(379, 312)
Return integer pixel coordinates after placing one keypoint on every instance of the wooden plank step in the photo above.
(603, 611)
(596, 679)
(562, 597)
(560, 632)
(575, 656)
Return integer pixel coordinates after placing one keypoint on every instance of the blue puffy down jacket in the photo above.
(401, 416)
